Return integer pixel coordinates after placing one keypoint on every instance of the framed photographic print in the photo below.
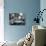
(16, 19)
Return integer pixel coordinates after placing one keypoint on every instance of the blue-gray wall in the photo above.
(29, 8)
(43, 6)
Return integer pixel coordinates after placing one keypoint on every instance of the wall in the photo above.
(29, 8)
(43, 6)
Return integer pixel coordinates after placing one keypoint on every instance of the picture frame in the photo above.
(16, 19)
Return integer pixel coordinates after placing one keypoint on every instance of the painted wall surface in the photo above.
(43, 6)
(29, 8)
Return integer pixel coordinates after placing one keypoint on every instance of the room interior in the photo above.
(23, 31)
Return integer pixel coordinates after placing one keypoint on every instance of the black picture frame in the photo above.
(16, 19)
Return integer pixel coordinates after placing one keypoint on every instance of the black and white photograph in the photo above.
(16, 19)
